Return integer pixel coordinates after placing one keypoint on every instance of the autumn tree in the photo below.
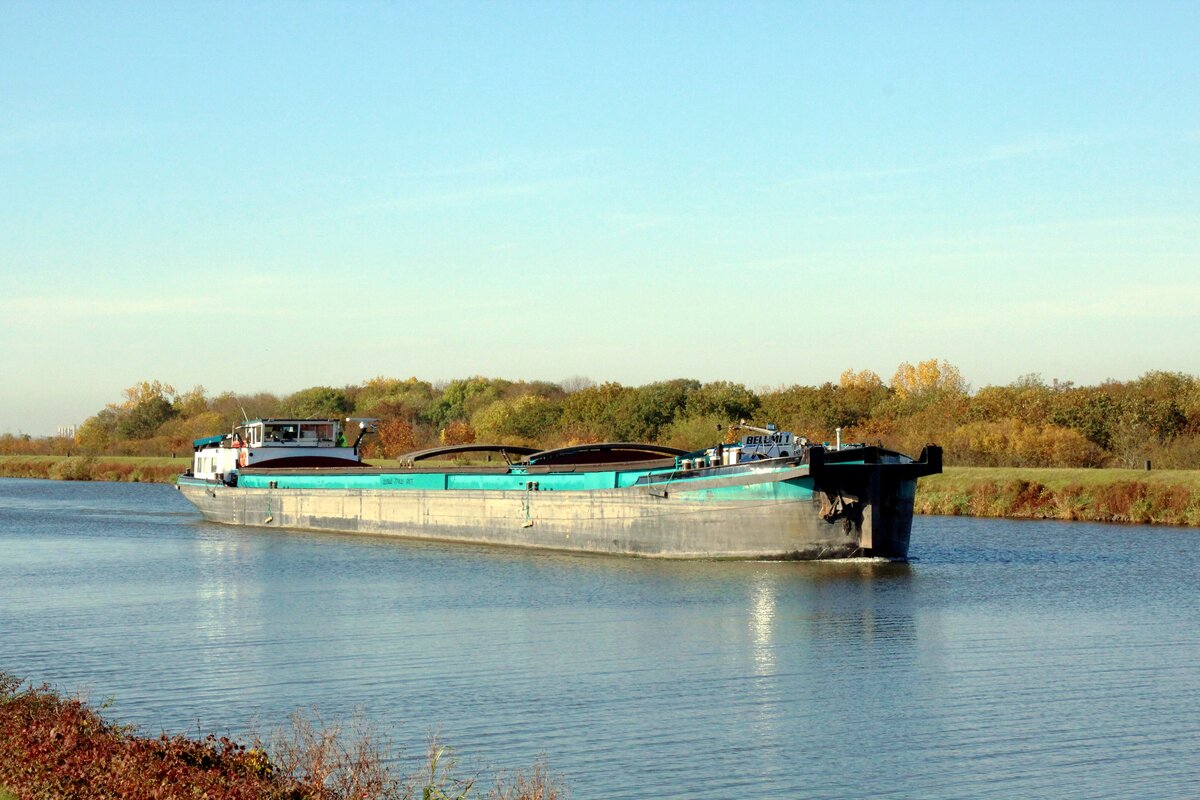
(526, 420)
(927, 402)
(860, 395)
(457, 432)
(546, 389)
(591, 414)
(98, 432)
(235, 408)
(817, 411)
(1013, 442)
(727, 402)
(1028, 399)
(407, 398)
(462, 398)
(317, 402)
(804, 410)
(928, 379)
(646, 410)
(191, 403)
(396, 437)
(180, 432)
(1089, 410)
(147, 405)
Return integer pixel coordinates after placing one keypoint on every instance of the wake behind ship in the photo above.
(770, 496)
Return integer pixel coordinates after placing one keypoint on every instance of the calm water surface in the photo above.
(1009, 659)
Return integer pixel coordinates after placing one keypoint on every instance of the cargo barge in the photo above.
(769, 496)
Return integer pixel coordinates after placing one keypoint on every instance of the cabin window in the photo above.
(322, 431)
(280, 433)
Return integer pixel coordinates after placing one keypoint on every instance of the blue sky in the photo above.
(271, 196)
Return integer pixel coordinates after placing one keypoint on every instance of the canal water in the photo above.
(1008, 659)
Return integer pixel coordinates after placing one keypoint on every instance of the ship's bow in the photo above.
(873, 489)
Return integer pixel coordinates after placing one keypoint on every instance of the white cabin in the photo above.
(285, 443)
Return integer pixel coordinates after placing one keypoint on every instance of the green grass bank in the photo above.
(1161, 497)
(1164, 497)
(129, 469)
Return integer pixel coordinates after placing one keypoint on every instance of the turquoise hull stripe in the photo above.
(562, 482)
(587, 481)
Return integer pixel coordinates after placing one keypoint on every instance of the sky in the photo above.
(270, 196)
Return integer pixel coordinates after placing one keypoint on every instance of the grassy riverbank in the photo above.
(129, 469)
(53, 746)
(1167, 497)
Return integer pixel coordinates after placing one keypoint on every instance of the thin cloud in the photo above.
(1124, 303)
(54, 310)
(512, 164)
(465, 197)
(627, 222)
(16, 134)
(1131, 301)
(1013, 151)
(67, 306)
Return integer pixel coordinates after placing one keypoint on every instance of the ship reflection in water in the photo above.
(863, 601)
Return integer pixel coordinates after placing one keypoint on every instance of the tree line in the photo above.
(1029, 422)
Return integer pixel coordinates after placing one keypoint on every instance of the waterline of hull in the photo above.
(728, 518)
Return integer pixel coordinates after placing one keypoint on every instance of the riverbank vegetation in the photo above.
(55, 747)
(1170, 497)
(132, 469)
(1029, 423)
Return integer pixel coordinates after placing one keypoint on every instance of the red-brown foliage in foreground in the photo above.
(52, 747)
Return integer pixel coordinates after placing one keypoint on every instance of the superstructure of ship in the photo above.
(770, 495)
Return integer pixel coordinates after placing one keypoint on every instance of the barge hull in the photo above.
(734, 518)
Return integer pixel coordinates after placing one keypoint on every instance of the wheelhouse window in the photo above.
(315, 432)
(280, 432)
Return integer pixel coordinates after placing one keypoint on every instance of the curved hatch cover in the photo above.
(455, 449)
(604, 453)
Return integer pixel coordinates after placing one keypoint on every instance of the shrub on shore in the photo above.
(57, 747)
(72, 469)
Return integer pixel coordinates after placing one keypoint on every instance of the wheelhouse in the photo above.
(274, 442)
(289, 433)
